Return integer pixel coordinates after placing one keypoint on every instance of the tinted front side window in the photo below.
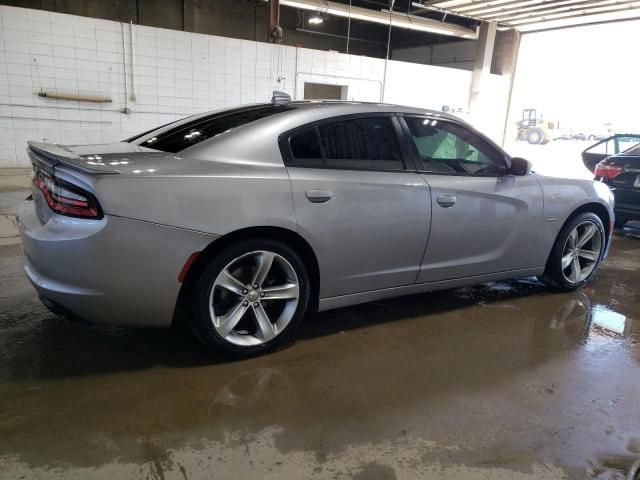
(190, 133)
(448, 148)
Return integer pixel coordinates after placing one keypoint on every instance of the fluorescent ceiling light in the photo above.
(316, 20)
(399, 20)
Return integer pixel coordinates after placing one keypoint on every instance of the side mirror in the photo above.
(520, 166)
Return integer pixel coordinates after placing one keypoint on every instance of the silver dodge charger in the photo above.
(248, 219)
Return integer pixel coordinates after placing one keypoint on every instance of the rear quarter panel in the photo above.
(236, 181)
(216, 202)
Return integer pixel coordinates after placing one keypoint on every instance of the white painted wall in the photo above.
(176, 74)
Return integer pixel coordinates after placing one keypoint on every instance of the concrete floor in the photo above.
(497, 381)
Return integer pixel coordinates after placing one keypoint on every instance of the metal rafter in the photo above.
(544, 19)
(428, 3)
(532, 7)
(425, 8)
(516, 13)
(475, 9)
(505, 16)
(578, 25)
(481, 5)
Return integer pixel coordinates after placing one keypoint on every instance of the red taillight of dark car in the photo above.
(66, 199)
(604, 170)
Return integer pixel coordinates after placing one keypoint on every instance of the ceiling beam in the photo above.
(490, 4)
(428, 3)
(533, 6)
(582, 3)
(570, 15)
(577, 25)
(424, 8)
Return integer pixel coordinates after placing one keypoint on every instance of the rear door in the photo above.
(484, 220)
(358, 201)
(607, 147)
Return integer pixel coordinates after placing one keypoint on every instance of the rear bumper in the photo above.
(113, 270)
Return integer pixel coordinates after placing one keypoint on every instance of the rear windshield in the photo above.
(186, 134)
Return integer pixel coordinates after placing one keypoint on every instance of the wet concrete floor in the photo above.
(498, 381)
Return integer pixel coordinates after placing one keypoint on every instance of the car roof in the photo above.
(299, 112)
(358, 107)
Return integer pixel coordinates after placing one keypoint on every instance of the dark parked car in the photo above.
(609, 146)
(622, 173)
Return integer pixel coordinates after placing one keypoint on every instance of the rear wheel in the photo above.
(577, 253)
(250, 298)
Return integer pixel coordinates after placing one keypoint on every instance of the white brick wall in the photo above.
(176, 74)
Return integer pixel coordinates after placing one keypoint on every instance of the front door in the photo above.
(364, 211)
(484, 220)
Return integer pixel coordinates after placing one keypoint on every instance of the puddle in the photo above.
(579, 313)
(605, 319)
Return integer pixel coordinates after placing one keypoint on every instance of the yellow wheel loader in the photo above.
(534, 129)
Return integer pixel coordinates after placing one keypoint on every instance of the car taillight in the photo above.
(66, 199)
(607, 171)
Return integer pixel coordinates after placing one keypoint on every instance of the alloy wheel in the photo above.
(253, 298)
(581, 252)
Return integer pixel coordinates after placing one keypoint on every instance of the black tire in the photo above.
(200, 319)
(553, 275)
(535, 136)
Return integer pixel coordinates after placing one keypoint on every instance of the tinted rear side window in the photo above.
(191, 133)
(305, 148)
(357, 144)
(362, 143)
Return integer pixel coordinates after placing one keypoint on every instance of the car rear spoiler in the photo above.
(46, 156)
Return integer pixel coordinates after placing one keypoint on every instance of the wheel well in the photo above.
(600, 210)
(288, 237)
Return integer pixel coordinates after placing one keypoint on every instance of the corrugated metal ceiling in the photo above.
(531, 15)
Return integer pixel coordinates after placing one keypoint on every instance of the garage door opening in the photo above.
(323, 91)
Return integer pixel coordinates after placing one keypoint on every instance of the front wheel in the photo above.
(535, 136)
(577, 253)
(250, 298)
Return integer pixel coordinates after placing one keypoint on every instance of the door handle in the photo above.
(318, 196)
(446, 201)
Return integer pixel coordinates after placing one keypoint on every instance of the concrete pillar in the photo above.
(505, 63)
(505, 52)
(482, 65)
